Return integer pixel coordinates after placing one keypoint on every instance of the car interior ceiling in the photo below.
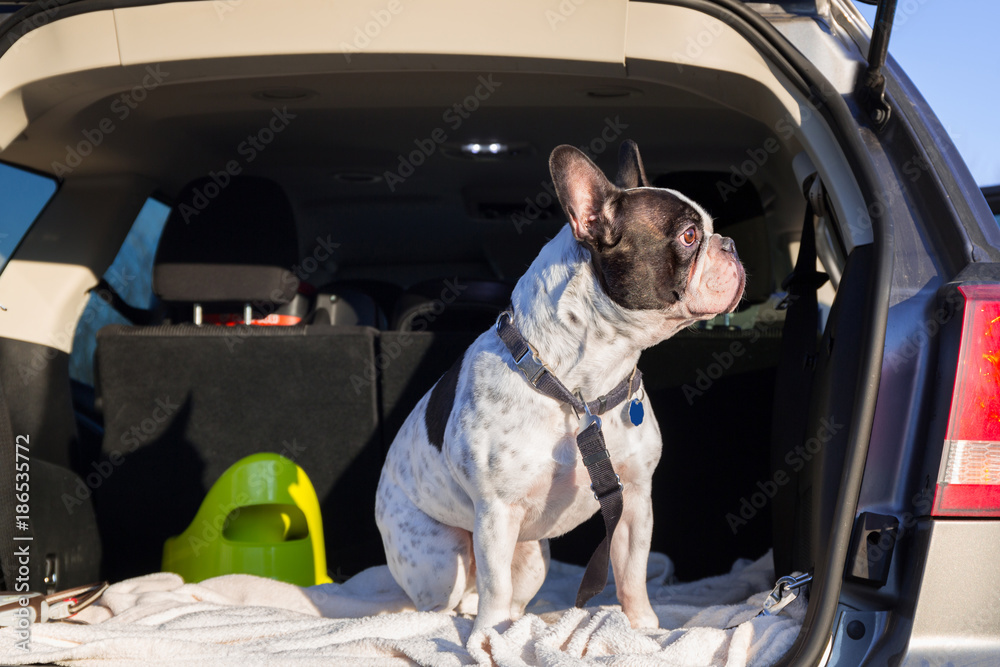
(471, 220)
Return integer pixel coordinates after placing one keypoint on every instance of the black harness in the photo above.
(605, 483)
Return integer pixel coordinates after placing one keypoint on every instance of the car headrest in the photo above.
(451, 304)
(233, 242)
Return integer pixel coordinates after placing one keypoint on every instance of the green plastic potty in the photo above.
(261, 517)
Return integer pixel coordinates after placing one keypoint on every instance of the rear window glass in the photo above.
(23, 195)
(131, 276)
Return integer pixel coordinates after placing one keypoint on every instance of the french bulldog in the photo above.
(486, 468)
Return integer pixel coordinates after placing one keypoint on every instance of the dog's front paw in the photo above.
(644, 619)
(480, 646)
(497, 622)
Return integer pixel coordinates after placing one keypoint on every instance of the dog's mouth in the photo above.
(736, 301)
(741, 289)
(716, 307)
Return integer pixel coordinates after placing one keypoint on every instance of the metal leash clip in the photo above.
(43, 608)
(586, 419)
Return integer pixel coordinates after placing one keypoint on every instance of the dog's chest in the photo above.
(559, 499)
(553, 489)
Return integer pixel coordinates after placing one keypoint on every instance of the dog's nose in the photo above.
(728, 245)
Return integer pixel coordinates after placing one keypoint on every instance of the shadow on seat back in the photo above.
(451, 304)
(436, 321)
(182, 402)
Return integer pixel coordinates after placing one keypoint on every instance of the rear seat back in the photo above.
(451, 304)
(182, 402)
(435, 322)
(409, 364)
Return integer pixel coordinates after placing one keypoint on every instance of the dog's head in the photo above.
(652, 248)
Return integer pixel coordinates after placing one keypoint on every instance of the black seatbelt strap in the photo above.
(110, 296)
(605, 483)
(793, 382)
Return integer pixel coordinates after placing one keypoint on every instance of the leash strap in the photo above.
(605, 483)
(607, 488)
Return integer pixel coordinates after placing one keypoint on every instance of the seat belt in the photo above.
(793, 382)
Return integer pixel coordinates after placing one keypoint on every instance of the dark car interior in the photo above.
(309, 388)
(375, 290)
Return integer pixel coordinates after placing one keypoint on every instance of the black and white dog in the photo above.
(486, 468)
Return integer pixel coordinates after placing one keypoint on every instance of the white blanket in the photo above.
(241, 620)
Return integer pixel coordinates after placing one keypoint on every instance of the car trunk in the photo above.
(396, 189)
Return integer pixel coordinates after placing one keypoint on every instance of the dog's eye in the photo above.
(689, 236)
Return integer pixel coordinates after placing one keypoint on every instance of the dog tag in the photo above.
(636, 412)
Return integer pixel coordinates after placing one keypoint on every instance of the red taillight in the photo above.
(969, 480)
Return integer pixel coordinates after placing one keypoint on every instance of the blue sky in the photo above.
(951, 50)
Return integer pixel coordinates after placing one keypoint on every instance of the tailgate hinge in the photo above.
(872, 88)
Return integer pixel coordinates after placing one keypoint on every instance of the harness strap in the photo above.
(605, 483)
(544, 381)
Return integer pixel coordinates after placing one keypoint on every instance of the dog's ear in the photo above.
(630, 170)
(583, 191)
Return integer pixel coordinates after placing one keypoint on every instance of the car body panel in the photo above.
(956, 618)
(75, 44)
(252, 28)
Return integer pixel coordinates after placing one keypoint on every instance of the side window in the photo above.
(23, 195)
(131, 276)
